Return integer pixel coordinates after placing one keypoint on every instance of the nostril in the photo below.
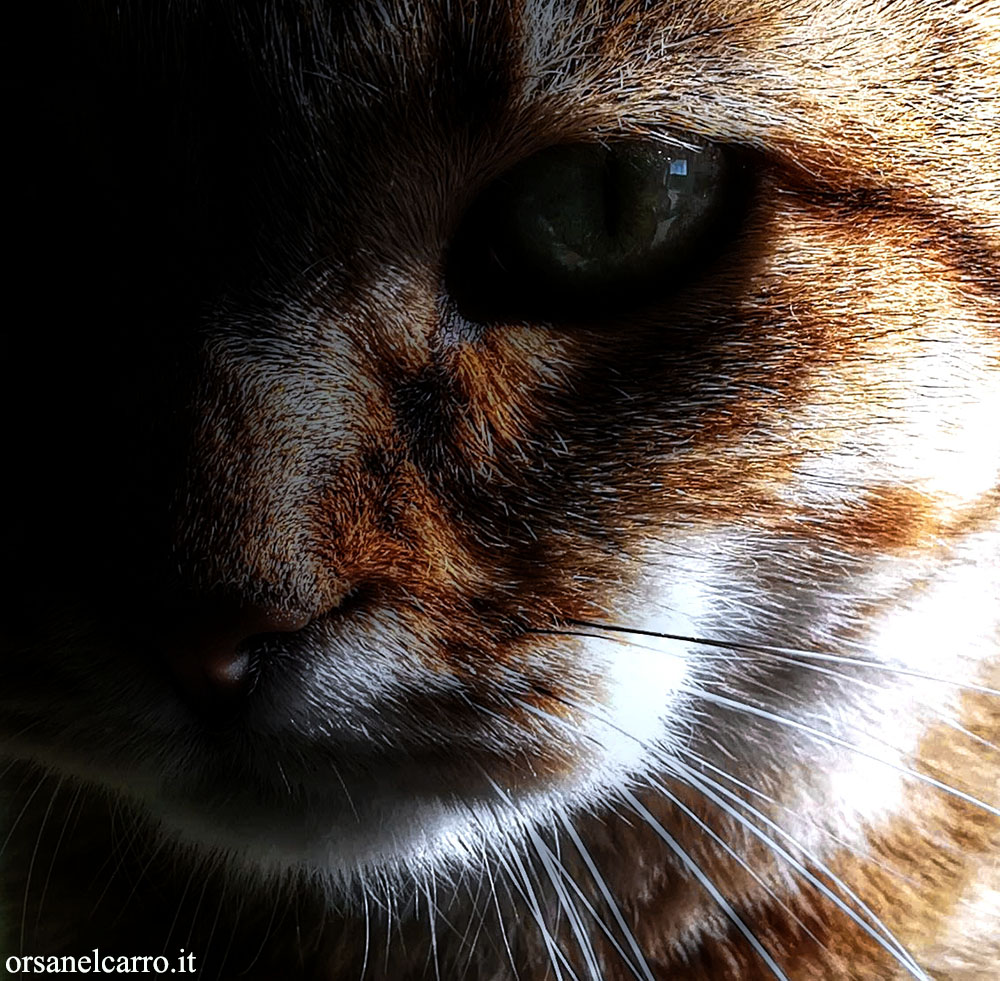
(207, 649)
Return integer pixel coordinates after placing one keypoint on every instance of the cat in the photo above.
(503, 490)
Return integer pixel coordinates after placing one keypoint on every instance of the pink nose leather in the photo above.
(206, 648)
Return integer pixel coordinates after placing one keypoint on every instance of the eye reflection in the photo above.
(585, 223)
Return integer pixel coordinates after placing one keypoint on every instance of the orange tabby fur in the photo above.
(495, 505)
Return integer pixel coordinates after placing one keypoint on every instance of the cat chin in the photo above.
(385, 838)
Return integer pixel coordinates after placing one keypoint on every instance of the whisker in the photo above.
(432, 922)
(528, 894)
(477, 911)
(180, 905)
(70, 811)
(34, 856)
(238, 913)
(602, 926)
(806, 707)
(121, 845)
(797, 662)
(194, 918)
(629, 642)
(488, 874)
(728, 776)
(606, 893)
(827, 737)
(893, 947)
(826, 832)
(215, 922)
(687, 776)
(674, 799)
(697, 820)
(768, 649)
(264, 939)
(15, 761)
(368, 930)
(13, 826)
(709, 886)
(496, 906)
(853, 680)
(138, 880)
(608, 897)
(555, 870)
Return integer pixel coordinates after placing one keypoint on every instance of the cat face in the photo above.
(446, 424)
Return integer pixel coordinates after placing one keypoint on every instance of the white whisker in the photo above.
(827, 737)
(555, 870)
(34, 856)
(70, 811)
(608, 897)
(794, 654)
(706, 882)
(696, 781)
(676, 801)
(890, 943)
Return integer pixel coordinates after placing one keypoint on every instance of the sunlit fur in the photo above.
(671, 641)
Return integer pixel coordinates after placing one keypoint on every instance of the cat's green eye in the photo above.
(591, 224)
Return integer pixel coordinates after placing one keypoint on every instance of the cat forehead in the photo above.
(841, 88)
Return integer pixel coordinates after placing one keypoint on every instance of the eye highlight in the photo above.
(586, 224)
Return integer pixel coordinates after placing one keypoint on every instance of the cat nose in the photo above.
(208, 650)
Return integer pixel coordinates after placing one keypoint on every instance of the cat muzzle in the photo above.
(208, 651)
